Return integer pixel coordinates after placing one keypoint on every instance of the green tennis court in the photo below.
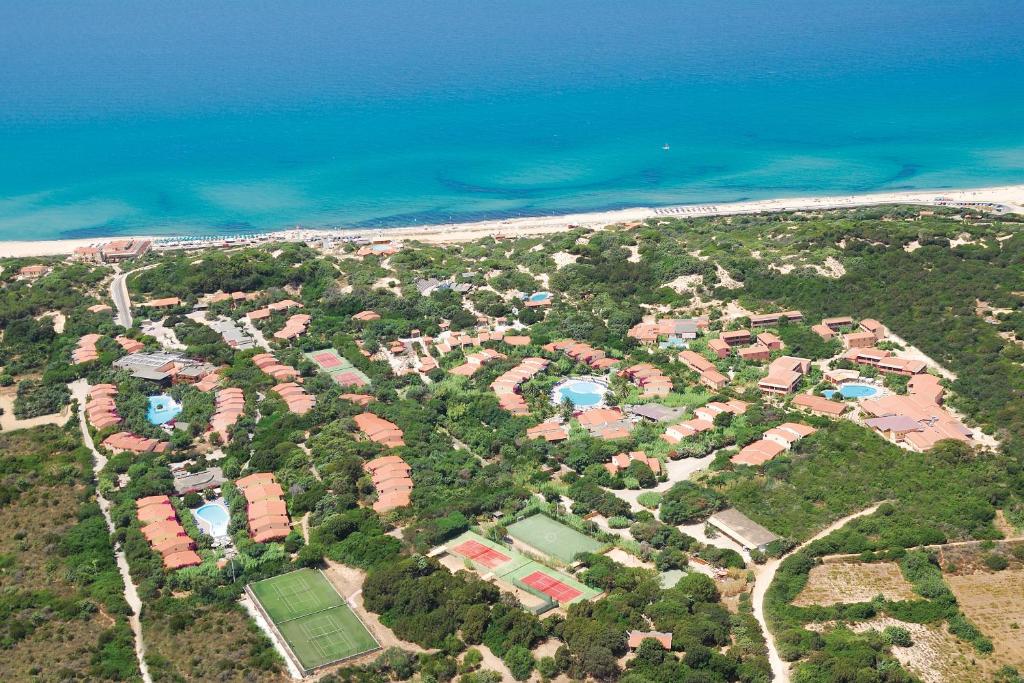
(552, 538)
(313, 619)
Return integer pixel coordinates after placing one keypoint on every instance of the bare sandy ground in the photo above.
(1011, 196)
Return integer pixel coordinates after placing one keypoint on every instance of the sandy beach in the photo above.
(1010, 198)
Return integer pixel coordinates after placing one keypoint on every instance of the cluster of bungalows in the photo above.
(885, 361)
(296, 398)
(265, 507)
(771, 443)
(681, 329)
(774, 319)
(86, 350)
(392, 479)
(703, 420)
(229, 405)
(209, 382)
(133, 443)
(916, 421)
(828, 328)
(605, 423)
(461, 340)
(582, 353)
(293, 327)
(649, 378)
(129, 345)
(819, 405)
(705, 369)
(266, 311)
(379, 430)
(622, 461)
(164, 367)
(506, 386)
(101, 408)
(784, 374)
(868, 333)
(165, 534)
(475, 361)
(32, 272)
(233, 297)
(549, 431)
(381, 249)
(736, 341)
(270, 366)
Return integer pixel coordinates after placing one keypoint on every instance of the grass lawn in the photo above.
(313, 618)
(552, 538)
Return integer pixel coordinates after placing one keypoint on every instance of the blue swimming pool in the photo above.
(162, 409)
(540, 296)
(581, 393)
(213, 519)
(673, 343)
(852, 391)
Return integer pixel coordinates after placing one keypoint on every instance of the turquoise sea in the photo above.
(216, 117)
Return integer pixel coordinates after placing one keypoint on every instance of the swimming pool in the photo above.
(851, 390)
(673, 343)
(582, 393)
(213, 519)
(162, 409)
(540, 296)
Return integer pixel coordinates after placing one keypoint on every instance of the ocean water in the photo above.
(203, 118)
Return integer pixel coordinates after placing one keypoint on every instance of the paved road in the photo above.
(763, 578)
(119, 293)
(79, 390)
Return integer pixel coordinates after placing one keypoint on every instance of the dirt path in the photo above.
(763, 577)
(79, 390)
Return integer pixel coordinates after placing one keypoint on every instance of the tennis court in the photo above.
(552, 538)
(551, 586)
(312, 619)
(481, 554)
(560, 587)
(485, 553)
(338, 367)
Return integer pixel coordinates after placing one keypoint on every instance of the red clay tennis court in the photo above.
(550, 586)
(481, 554)
(327, 359)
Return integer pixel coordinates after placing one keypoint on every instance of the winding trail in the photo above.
(79, 390)
(763, 577)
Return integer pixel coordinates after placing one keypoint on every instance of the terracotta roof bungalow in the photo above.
(719, 347)
(87, 254)
(130, 345)
(165, 534)
(783, 375)
(836, 323)
(635, 638)
(914, 421)
(549, 431)
(393, 481)
(819, 405)
(874, 327)
(773, 319)
(284, 305)
(379, 430)
(757, 453)
(622, 461)
(99, 308)
(755, 352)
(711, 410)
(516, 340)
(122, 250)
(506, 386)
(583, 353)
(736, 337)
(298, 401)
(265, 507)
(33, 272)
(649, 332)
(677, 432)
(208, 383)
(359, 399)
(824, 332)
(426, 363)
(770, 340)
(229, 404)
(901, 366)
(788, 433)
(475, 361)
(270, 366)
(366, 316)
(605, 423)
(859, 339)
(293, 327)
(926, 387)
(713, 379)
(101, 408)
(86, 351)
(166, 302)
(126, 441)
(381, 250)
(866, 355)
(695, 361)
(649, 378)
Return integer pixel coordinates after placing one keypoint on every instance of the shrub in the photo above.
(618, 522)
(996, 562)
(897, 635)
(651, 500)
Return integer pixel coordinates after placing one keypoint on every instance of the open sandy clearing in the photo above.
(994, 601)
(835, 582)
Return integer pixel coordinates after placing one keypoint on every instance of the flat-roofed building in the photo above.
(742, 529)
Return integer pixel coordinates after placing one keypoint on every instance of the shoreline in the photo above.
(1009, 197)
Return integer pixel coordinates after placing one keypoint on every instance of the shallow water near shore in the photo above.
(158, 119)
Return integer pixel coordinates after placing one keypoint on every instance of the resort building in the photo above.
(366, 316)
(884, 361)
(229, 405)
(270, 366)
(654, 412)
(861, 339)
(506, 386)
(622, 461)
(265, 507)
(769, 340)
(712, 410)
(916, 421)
(784, 374)
(551, 432)
(605, 423)
(836, 324)
(650, 331)
(742, 529)
(874, 327)
(773, 319)
(101, 407)
(475, 361)
(132, 443)
(684, 430)
(392, 478)
(649, 378)
(164, 366)
(124, 250)
(736, 337)
(186, 482)
(582, 353)
(708, 373)
(33, 272)
(819, 405)
(233, 335)
(755, 352)
(296, 398)
(130, 345)
(165, 534)
(824, 332)
(720, 348)
(166, 302)
(86, 351)
(293, 327)
(379, 430)
(87, 254)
